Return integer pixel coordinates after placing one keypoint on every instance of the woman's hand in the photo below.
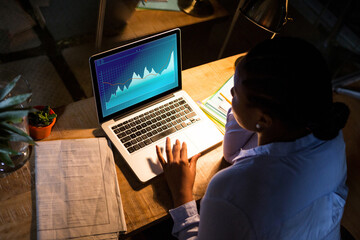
(179, 171)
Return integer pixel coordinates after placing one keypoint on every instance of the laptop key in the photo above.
(163, 134)
(121, 135)
(190, 115)
(147, 141)
(125, 139)
(178, 127)
(128, 144)
(141, 144)
(130, 149)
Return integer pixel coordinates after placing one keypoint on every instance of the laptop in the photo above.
(139, 101)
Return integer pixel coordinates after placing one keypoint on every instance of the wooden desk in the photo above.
(146, 22)
(143, 204)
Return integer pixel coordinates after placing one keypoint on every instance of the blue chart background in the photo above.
(121, 78)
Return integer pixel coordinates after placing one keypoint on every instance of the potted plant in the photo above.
(13, 141)
(41, 122)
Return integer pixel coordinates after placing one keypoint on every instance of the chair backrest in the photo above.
(345, 234)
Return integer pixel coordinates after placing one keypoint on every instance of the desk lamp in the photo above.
(270, 15)
(196, 8)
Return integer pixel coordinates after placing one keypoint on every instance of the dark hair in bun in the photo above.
(288, 78)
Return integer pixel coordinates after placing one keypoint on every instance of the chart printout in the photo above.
(139, 73)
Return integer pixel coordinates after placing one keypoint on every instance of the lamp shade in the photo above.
(268, 14)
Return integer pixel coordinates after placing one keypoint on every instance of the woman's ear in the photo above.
(265, 121)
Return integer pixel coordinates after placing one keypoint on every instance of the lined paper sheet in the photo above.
(77, 193)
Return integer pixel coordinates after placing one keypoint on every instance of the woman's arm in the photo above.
(236, 138)
(219, 220)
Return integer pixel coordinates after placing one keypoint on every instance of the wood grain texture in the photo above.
(144, 204)
(146, 22)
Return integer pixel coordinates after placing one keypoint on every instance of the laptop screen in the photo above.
(129, 76)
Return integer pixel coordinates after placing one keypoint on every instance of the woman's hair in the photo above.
(288, 78)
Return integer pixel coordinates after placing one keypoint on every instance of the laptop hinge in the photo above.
(144, 106)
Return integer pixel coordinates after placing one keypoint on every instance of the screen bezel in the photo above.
(145, 40)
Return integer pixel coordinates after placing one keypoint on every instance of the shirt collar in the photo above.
(280, 148)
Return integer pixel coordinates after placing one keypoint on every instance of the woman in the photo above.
(290, 186)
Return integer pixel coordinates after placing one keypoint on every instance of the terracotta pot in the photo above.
(38, 133)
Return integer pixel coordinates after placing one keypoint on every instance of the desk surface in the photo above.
(146, 22)
(143, 204)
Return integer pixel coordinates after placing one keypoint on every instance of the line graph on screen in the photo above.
(143, 79)
(146, 74)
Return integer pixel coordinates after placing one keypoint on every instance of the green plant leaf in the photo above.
(16, 130)
(13, 116)
(14, 101)
(7, 150)
(7, 89)
(13, 137)
(41, 117)
(5, 158)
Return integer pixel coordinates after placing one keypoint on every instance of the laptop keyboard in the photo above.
(155, 124)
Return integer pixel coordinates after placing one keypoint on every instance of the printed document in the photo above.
(77, 193)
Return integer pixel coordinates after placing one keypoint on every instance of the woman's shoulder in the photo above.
(237, 176)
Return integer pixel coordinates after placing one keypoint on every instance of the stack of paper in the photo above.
(77, 193)
(171, 5)
(217, 105)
